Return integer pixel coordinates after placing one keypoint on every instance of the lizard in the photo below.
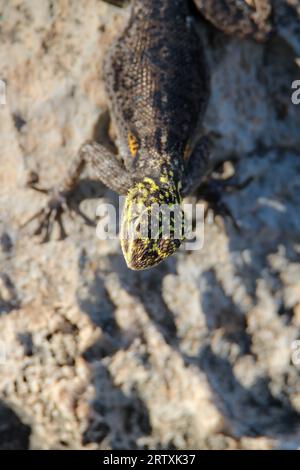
(158, 85)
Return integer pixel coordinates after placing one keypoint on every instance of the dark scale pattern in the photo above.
(157, 83)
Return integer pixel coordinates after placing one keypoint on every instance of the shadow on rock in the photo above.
(14, 434)
(252, 411)
(117, 419)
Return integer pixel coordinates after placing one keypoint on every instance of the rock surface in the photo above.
(199, 352)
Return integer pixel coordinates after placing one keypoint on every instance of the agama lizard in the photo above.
(157, 83)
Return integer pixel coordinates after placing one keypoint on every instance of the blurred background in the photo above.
(200, 352)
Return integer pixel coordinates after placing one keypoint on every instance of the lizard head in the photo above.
(152, 223)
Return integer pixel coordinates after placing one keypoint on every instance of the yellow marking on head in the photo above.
(163, 179)
(152, 184)
(132, 144)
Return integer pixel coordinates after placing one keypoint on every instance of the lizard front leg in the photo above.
(243, 18)
(108, 170)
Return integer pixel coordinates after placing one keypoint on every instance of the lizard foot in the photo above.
(59, 203)
(212, 192)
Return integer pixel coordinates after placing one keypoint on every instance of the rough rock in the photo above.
(199, 352)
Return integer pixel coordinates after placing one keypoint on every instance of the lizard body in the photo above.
(157, 84)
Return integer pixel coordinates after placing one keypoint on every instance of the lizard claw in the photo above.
(212, 192)
(48, 215)
(221, 208)
(59, 203)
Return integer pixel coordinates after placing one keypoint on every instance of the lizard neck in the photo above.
(162, 190)
(164, 169)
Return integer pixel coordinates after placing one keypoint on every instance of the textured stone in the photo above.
(195, 353)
